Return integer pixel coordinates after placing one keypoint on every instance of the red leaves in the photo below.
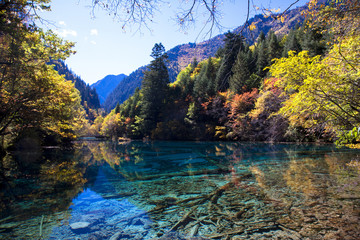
(242, 103)
(272, 84)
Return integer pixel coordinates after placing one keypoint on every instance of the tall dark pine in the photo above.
(262, 59)
(204, 85)
(233, 43)
(117, 108)
(134, 110)
(261, 37)
(241, 73)
(313, 41)
(154, 88)
(292, 43)
(274, 49)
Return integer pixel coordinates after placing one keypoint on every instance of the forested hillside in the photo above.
(89, 97)
(297, 82)
(124, 89)
(180, 56)
(106, 85)
(299, 86)
(35, 100)
(279, 23)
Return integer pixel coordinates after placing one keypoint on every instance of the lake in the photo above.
(181, 190)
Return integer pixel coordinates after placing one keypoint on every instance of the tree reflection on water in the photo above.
(208, 189)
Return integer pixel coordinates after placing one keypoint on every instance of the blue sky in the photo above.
(104, 48)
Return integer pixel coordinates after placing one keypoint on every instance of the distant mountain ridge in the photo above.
(89, 96)
(182, 55)
(124, 89)
(273, 23)
(106, 85)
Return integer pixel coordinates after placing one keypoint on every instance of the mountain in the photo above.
(273, 23)
(182, 55)
(178, 58)
(106, 85)
(124, 89)
(89, 96)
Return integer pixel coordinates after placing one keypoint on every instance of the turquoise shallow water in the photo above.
(181, 190)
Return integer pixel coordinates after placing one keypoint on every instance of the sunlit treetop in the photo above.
(341, 17)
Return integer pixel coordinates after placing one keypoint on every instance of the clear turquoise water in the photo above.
(181, 190)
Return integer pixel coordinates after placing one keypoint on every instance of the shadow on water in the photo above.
(181, 190)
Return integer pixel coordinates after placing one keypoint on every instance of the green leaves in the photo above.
(350, 137)
(154, 89)
(32, 93)
(158, 51)
(322, 90)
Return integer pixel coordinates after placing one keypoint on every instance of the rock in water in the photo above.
(79, 227)
(116, 236)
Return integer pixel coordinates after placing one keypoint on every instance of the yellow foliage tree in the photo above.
(32, 93)
(325, 91)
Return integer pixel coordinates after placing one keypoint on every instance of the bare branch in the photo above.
(247, 17)
(129, 12)
(139, 13)
(292, 4)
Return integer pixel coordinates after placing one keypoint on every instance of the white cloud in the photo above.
(66, 32)
(94, 32)
(93, 42)
(62, 23)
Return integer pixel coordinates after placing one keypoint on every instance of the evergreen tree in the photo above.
(252, 56)
(313, 41)
(135, 106)
(261, 38)
(241, 72)
(204, 85)
(117, 108)
(233, 43)
(220, 52)
(154, 88)
(194, 64)
(125, 107)
(274, 49)
(292, 43)
(262, 59)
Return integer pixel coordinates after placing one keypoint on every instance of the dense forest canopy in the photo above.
(33, 95)
(301, 86)
(182, 55)
(89, 97)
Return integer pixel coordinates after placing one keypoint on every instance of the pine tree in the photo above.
(241, 73)
(274, 49)
(135, 106)
(154, 88)
(313, 41)
(194, 64)
(292, 43)
(262, 59)
(233, 43)
(252, 56)
(261, 38)
(117, 108)
(204, 85)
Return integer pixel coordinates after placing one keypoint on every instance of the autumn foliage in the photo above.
(303, 86)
